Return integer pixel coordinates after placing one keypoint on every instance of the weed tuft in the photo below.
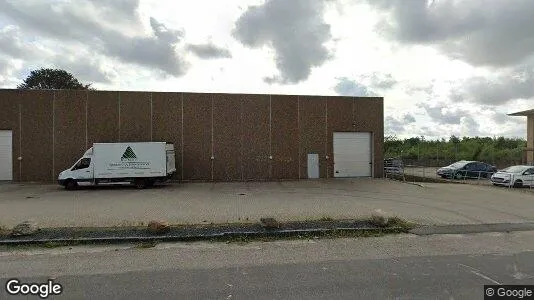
(4, 230)
(400, 223)
(146, 245)
(378, 221)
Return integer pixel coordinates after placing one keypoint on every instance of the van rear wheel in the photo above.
(140, 183)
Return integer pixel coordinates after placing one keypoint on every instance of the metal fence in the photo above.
(422, 171)
(442, 162)
(528, 156)
(439, 155)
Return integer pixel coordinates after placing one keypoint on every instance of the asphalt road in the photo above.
(444, 277)
(391, 267)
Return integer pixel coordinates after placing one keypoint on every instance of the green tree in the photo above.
(52, 79)
(453, 139)
(497, 150)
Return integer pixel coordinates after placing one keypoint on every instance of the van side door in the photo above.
(83, 170)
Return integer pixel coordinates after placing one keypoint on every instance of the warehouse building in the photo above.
(219, 137)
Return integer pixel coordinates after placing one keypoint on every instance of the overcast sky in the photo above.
(444, 67)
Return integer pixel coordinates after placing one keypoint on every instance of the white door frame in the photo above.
(315, 172)
(10, 167)
(371, 149)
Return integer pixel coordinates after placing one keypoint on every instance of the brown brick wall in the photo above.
(135, 116)
(37, 158)
(167, 123)
(285, 137)
(227, 134)
(69, 128)
(369, 116)
(255, 123)
(197, 136)
(102, 117)
(312, 120)
(241, 131)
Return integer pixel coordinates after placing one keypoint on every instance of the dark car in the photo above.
(467, 169)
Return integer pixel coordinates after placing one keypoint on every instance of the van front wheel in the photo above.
(71, 184)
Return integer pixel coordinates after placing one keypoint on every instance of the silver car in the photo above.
(516, 176)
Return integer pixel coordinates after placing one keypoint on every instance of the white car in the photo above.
(516, 176)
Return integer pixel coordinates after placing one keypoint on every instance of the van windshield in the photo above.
(82, 164)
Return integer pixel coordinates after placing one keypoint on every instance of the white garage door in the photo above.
(6, 155)
(352, 154)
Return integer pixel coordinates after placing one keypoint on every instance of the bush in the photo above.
(487, 149)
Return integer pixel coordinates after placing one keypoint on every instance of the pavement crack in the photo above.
(478, 273)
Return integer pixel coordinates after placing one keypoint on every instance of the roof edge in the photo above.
(523, 113)
(379, 98)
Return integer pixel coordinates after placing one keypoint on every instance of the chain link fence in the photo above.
(417, 174)
(418, 167)
(528, 156)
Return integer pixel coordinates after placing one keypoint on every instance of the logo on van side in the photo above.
(128, 155)
(129, 161)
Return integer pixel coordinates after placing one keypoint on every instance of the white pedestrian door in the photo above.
(352, 154)
(6, 155)
(313, 165)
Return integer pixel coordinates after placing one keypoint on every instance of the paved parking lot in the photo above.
(50, 205)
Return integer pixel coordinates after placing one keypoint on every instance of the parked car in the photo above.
(516, 176)
(467, 169)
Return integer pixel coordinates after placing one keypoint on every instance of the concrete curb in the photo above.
(188, 238)
(472, 228)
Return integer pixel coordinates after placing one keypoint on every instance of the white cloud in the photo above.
(438, 78)
(295, 30)
(347, 87)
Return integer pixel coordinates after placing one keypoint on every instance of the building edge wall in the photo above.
(530, 139)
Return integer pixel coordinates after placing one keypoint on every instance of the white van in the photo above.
(141, 164)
